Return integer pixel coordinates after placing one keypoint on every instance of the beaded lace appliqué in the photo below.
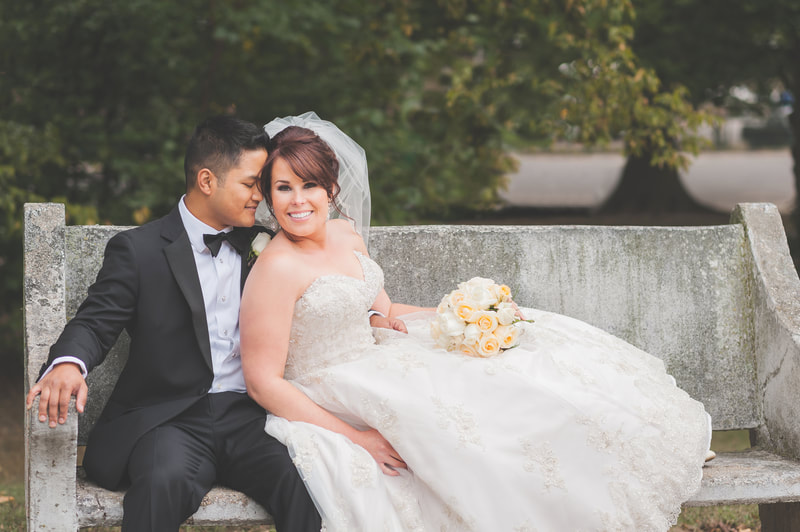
(330, 324)
(462, 421)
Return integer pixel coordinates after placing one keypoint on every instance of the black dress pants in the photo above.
(218, 440)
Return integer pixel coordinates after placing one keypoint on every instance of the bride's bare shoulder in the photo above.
(278, 257)
(345, 233)
(341, 226)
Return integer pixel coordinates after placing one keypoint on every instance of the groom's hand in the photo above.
(377, 320)
(56, 389)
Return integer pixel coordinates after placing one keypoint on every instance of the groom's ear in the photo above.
(205, 181)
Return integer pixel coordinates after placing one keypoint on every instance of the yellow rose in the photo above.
(503, 292)
(489, 345)
(455, 297)
(485, 320)
(507, 335)
(470, 351)
(465, 309)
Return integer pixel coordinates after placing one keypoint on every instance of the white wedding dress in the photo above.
(573, 430)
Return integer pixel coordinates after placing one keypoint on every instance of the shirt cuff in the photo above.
(61, 360)
(375, 313)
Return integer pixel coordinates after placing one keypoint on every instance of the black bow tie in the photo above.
(237, 239)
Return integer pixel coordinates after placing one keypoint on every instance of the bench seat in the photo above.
(221, 506)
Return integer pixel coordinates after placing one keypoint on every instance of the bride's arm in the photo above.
(383, 303)
(265, 321)
(385, 306)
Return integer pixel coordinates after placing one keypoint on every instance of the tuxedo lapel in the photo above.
(181, 262)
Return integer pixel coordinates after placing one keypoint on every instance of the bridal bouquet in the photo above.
(477, 319)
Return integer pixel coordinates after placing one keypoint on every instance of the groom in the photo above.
(179, 419)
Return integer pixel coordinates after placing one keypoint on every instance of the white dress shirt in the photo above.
(220, 281)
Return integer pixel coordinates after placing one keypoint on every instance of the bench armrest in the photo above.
(50, 454)
(776, 316)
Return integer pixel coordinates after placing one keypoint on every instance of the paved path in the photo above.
(718, 180)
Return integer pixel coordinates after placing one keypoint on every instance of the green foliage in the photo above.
(114, 89)
(98, 98)
(710, 46)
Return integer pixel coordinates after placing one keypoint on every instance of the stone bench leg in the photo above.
(50, 454)
(780, 517)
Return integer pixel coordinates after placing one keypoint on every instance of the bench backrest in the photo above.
(683, 294)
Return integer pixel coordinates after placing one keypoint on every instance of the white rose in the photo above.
(454, 342)
(259, 243)
(480, 281)
(450, 324)
(472, 333)
(482, 296)
(506, 314)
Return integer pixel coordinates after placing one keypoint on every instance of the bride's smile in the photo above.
(300, 206)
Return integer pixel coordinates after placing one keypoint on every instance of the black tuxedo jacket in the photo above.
(148, 285)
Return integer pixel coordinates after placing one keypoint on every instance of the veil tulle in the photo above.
(354, 198)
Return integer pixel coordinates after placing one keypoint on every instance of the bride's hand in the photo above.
(388, 323)
(382, 451)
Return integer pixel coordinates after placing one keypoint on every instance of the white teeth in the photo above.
(300, 215)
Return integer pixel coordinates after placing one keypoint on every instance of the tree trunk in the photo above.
(793, 230)
(649, 189)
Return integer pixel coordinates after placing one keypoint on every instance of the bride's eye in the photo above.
(283, 188)
(310, 184)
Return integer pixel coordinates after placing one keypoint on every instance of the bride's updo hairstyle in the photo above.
(309, 157)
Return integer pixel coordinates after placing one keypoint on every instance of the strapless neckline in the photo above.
(360, 256)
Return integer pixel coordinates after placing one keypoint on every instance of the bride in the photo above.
(574, 429)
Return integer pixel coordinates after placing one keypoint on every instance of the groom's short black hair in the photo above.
(217, 144)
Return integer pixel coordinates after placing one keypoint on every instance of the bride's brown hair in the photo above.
(309, 157)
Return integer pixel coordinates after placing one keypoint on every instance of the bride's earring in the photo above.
(331, 209)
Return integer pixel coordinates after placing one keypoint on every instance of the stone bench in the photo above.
(720, 305)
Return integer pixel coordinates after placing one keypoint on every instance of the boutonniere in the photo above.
(257, 245)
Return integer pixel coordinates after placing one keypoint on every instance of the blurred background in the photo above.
(640, 112)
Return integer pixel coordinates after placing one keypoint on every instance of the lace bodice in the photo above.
(330, 323)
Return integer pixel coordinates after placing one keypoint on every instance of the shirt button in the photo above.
(222, 299)
(225, 332)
